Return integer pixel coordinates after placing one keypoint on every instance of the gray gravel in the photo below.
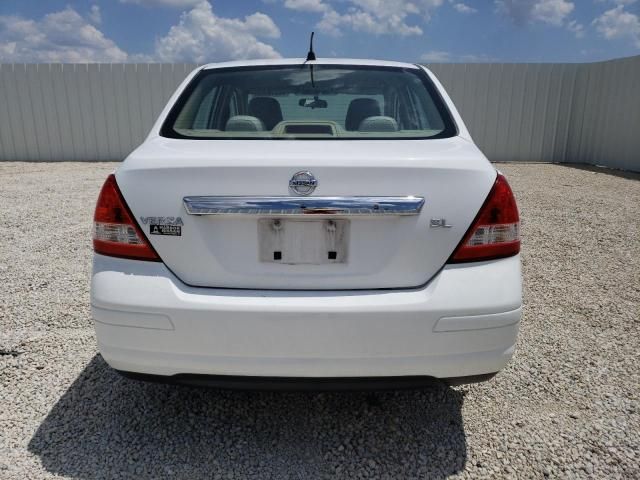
(567, 406)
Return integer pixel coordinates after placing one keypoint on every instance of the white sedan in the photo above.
(307, 224)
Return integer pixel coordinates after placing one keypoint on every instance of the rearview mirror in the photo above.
(314, 102)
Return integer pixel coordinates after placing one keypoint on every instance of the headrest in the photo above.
(244, 123)
(378, 124)
(266, 109)
(359, 109)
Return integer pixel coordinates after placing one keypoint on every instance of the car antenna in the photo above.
(311, 55)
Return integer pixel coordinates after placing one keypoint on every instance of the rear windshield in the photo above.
(310, 101)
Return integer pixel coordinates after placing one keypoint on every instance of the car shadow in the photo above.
(105, 425)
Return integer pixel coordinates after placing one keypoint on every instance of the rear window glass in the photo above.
(309, 101)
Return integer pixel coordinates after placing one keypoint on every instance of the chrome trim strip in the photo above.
(289, 206)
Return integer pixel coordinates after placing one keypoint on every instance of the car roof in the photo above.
(298, 61)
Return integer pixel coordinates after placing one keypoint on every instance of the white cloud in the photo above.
(617, 2)
(63, 36)
(260, 25)
(307, 5)
(618, 23)
(360, 21)
(202, 36)
(436, 56)
(576, 28)
(389, 8)
(199, 36)
(464, 8)
(552, 12)
(440, 56)
(370, 16)
(164, 3)
(95, 15)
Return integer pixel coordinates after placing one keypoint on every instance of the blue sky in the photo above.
(411, 30)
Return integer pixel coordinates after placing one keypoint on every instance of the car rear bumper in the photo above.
(463, 323)
(301, 384)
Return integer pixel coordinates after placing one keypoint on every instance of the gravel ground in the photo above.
(566, 406)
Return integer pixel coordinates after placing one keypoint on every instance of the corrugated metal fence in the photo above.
(81, 112)
(574, 113)
(582, 113)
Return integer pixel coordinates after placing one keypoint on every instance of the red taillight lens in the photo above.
(115, 232)
(495, 233)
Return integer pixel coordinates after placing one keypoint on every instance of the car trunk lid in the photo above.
(347, 244)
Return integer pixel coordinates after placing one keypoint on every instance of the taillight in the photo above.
(495, 232)
(115, 231)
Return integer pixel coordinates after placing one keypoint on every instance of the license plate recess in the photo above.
(302, 241)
